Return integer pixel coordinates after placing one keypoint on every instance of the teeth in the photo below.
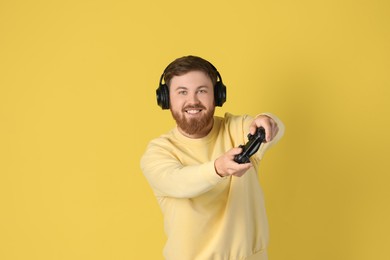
(193, 111)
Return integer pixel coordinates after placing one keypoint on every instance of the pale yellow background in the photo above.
(77, 108)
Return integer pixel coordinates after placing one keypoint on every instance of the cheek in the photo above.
(175, 103)
(208, 101)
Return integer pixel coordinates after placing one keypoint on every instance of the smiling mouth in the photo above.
(193, 111)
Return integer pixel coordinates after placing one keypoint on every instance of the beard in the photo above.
(193, 125)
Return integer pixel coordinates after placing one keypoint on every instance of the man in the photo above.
(213, 207)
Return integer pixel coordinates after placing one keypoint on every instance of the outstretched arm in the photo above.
(169, 178)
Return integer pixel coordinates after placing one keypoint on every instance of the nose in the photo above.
(193, 98)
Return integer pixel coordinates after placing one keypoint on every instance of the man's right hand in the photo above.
(226, 166)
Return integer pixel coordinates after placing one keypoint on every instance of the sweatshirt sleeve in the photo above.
(169, 178)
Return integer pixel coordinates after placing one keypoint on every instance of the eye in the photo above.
(183, 92)
(202, 91)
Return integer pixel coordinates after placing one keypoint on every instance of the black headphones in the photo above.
(162, 92)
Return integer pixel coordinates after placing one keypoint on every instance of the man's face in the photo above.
(192, 103)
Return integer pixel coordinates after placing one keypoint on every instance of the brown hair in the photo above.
(186, 64)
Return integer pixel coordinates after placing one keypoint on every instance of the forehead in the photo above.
(192, 79)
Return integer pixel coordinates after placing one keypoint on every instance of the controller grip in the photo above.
(251, 147)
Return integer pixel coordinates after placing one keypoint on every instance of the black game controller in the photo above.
(251, 147)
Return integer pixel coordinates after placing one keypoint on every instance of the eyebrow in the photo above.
(180, 88)
(185, 88)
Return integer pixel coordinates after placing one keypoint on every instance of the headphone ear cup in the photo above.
(219, 93)
(162, 95)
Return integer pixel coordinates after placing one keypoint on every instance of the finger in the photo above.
(244, 168)
(268, 132)
(273, 130)
(239, 174)
(253, 128)
(235, 150)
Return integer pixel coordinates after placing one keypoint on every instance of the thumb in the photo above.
(235, 150)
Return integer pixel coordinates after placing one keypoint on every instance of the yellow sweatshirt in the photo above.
(207, 217)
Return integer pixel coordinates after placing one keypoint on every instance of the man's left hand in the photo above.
(269, 125)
